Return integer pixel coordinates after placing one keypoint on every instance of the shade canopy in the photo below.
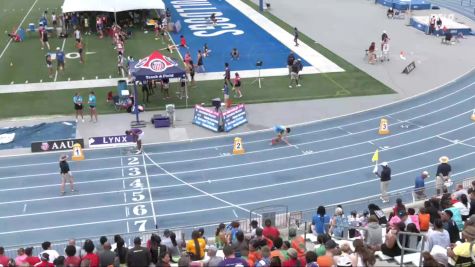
(110, 5)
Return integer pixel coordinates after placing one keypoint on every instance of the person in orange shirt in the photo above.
(297, 242)
(424, 220)
(254, 253)
(277, 252)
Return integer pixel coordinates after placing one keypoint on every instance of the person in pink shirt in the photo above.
(21, 256)
(414, 218)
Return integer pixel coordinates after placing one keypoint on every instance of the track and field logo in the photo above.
(156, 62)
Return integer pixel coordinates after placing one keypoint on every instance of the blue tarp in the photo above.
(24, 136)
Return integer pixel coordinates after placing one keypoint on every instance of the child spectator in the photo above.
(414, 218)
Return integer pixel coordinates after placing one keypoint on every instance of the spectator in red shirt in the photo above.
(293, 260)
(93, 258)
(31, 260)
(71, 259)
(44, 261)
(270, 231)
(3, 259)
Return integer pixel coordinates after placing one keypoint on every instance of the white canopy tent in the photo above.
(110, 5)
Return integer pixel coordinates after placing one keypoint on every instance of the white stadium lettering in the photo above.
(206, 34)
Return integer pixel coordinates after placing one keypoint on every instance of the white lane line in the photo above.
(266, 130)
(149, 190)
(194, 187)
(24, 208)
(279, 170)
(348, 132)
(235, 214)
(21, 22)
(62, 49)
(214, 195)
(125, 197)
(455, 141)
(54, 173)
(128, 229)
(82, 182)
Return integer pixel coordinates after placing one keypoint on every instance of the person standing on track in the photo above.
(137, 134)
(385, 177)
(282, 133)
(66, 175)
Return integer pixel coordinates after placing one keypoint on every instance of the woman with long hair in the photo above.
(463, 206)
(362, 257)
(196, 246)
(121, 251)
(164, 259)
(220, 236)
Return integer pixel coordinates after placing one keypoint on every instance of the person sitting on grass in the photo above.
(235, 54)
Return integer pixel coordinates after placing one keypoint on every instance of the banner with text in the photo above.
(110, 140)
(206, 118)
(234, 117)
(55, 145)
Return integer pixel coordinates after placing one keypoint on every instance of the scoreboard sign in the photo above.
(234, 117)
(206, 118)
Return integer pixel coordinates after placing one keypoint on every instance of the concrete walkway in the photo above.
(348, 26)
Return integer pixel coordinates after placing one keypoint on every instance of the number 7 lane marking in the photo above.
(149, 191)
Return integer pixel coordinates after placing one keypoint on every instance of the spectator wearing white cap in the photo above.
(419, 187)
(385, 177)
(442, 175)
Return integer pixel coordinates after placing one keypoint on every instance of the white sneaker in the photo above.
(82, 120)
(290, 86)
(298, 85)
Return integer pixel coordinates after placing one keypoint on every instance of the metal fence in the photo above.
(301, 220)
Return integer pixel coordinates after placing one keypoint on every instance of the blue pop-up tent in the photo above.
(153, 67)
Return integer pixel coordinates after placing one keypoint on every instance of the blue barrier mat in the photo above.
(24, 136)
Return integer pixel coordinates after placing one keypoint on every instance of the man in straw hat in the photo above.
(66, 175)
(461, 253)
(442, 175)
